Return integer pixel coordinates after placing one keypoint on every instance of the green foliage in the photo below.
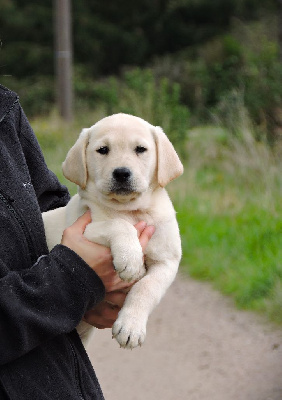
(230, 70)
(206, 50)
(158, 102)
(90, 93)
(108, 35)
(27, 39)
(139, 93)
(37, 95)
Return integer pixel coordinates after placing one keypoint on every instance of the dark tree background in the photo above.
(190, 43)
(110, 34)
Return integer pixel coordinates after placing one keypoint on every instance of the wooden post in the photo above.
(280, 30)
(63, 57)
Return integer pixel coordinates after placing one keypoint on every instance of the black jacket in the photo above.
(42, 296)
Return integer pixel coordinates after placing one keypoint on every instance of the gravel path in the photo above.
(198, 347)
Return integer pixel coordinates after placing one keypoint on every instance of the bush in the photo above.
(213, 75)
(37, 96)
(139, 93)
(158, 102)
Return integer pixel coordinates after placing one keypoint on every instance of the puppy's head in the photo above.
(120, 158)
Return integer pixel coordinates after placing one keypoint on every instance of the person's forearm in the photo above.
(47, 300)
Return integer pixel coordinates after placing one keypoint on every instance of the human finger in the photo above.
(81, 222)
(119, 285)
(116, 299)
(146, 235)
(140, 226)
(102, 316)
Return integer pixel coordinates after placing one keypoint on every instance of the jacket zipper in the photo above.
(20, 222)
(76, 370)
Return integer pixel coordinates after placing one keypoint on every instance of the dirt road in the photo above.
(198, 347)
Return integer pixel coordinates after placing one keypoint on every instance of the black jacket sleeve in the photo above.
(44, 301)
(49, 191)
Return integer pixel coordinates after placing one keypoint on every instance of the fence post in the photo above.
(63, 58)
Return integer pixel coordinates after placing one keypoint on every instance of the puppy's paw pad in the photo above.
(128, 334)
(129, 264)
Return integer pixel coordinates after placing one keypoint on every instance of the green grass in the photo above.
(240, 253)
(229, 209)
(230, 216)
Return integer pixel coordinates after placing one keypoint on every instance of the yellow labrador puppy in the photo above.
(121, 166)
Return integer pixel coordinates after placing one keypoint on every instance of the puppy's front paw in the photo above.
(129, 331)
(128, 262)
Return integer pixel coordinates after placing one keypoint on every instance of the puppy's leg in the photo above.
(130, 326)
(122, 239)
(54, 224)
(85, 332)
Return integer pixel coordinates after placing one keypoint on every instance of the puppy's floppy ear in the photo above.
(74, 166)
(169, 164)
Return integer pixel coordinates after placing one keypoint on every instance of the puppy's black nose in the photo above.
(122, 174)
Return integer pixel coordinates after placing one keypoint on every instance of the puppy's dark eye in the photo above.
(140, 149)
(103, 150)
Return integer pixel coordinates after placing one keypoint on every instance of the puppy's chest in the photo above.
(137, 216)
(132, 217)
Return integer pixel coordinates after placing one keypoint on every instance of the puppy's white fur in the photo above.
(146, 153)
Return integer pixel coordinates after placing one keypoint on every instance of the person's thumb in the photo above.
(81, 223)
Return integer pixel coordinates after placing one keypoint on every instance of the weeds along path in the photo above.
(198, 347)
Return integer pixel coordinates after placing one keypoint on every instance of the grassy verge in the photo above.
(229, 209)
(230, 216)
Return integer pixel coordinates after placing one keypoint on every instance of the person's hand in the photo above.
(96, 256)
(104, 314)
(99, 257)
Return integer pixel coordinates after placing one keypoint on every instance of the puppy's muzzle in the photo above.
(122, 181)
